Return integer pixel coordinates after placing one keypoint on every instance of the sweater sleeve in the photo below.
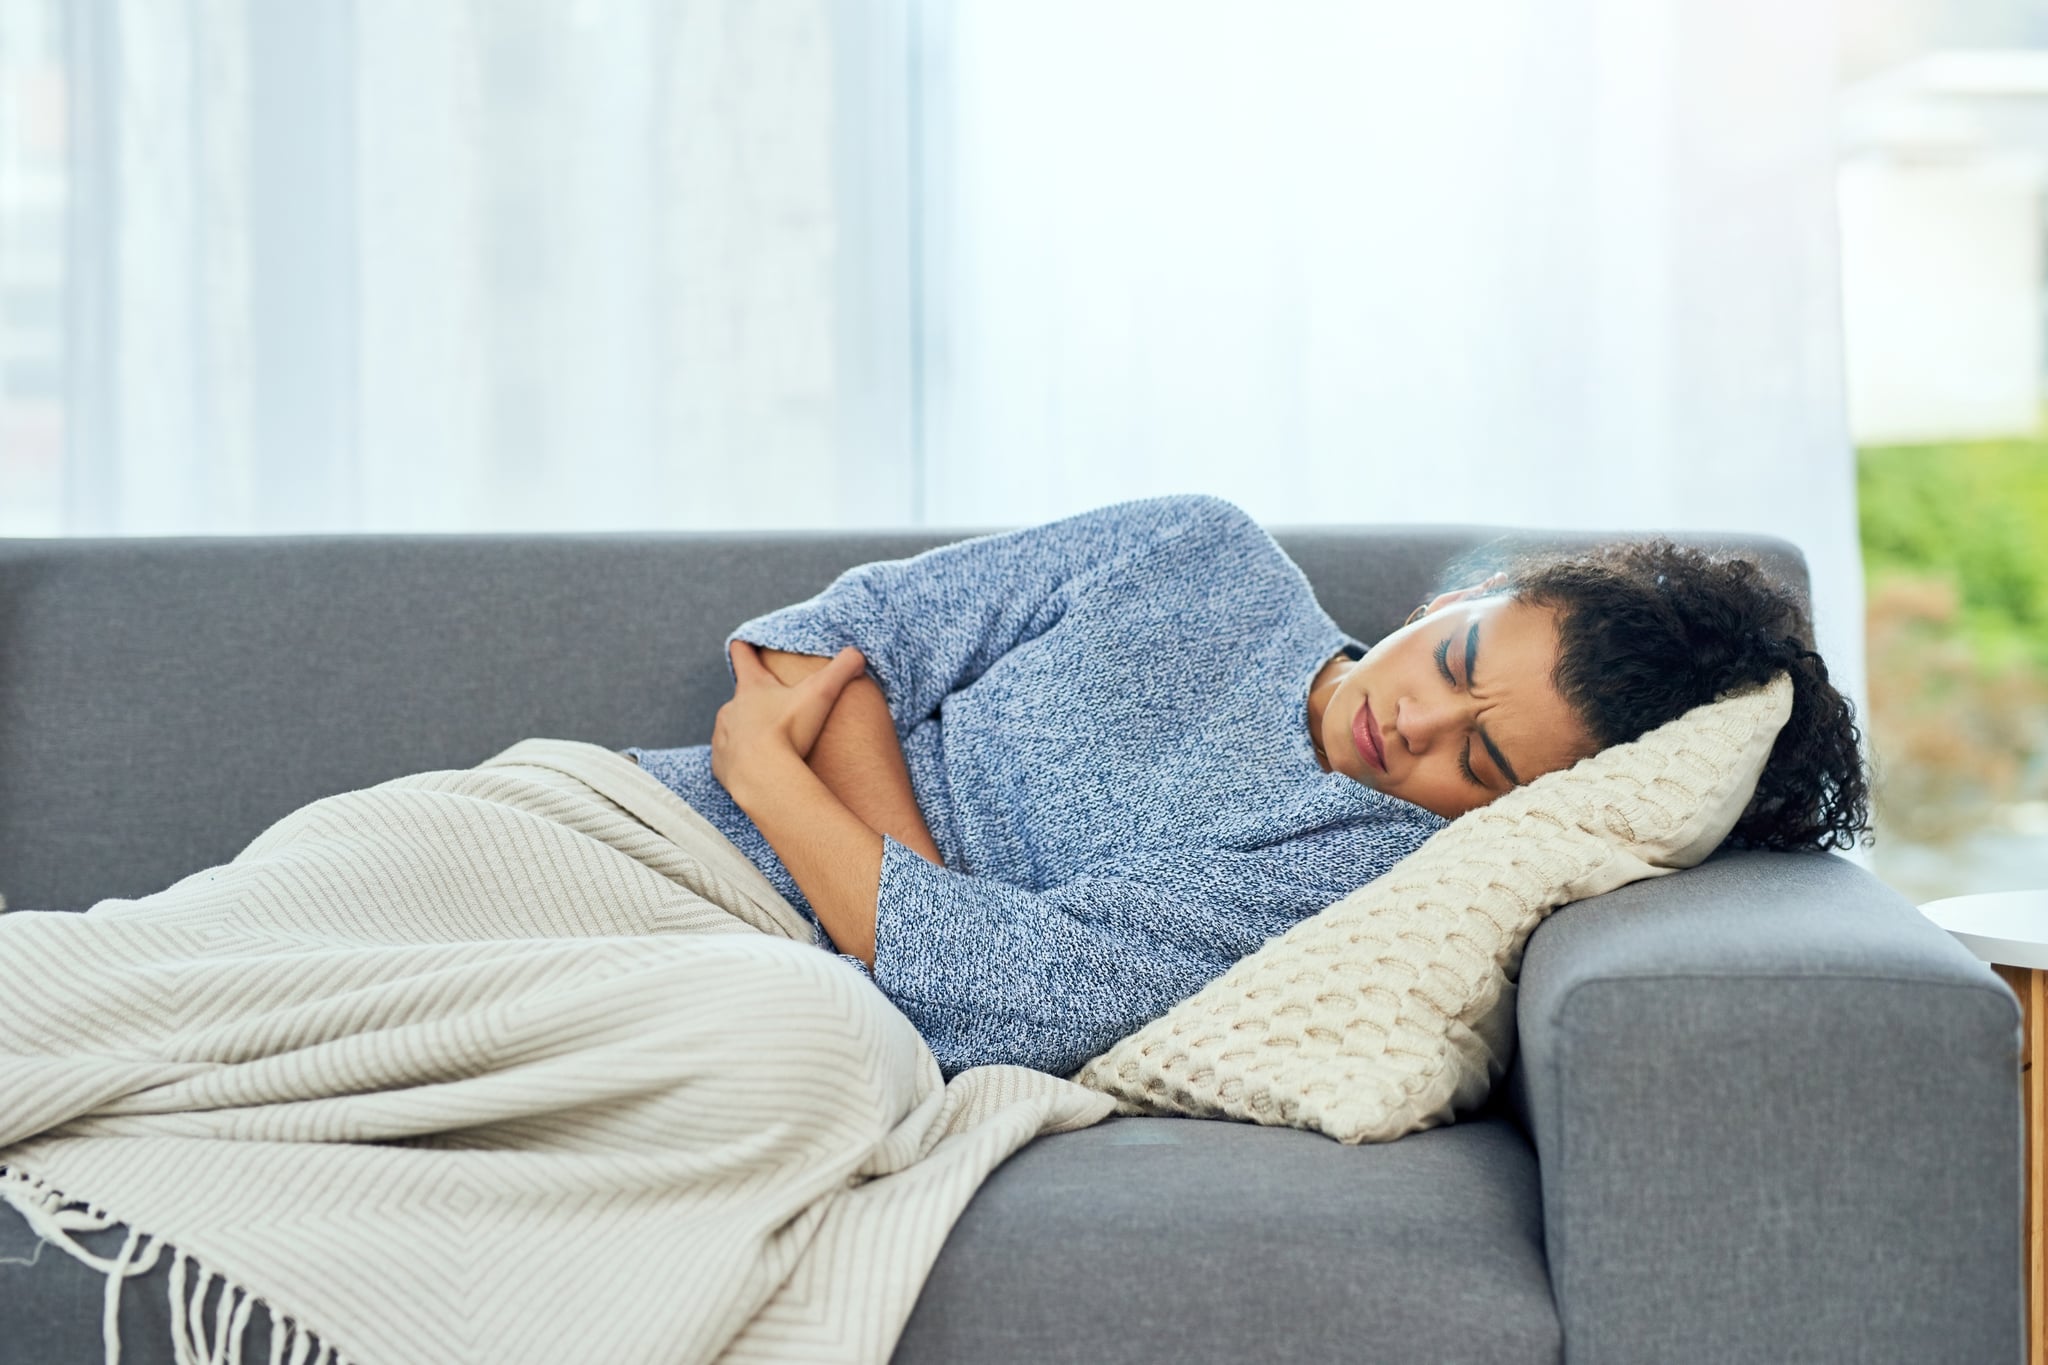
(991, 973)
(933, 623)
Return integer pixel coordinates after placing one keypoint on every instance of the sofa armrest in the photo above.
(1777, 1115)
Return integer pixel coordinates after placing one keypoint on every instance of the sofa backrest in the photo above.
(162, 701)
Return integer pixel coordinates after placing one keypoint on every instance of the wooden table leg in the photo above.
(2031, 987)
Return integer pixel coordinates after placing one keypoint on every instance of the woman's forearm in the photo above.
(835, 858)
(858, 758)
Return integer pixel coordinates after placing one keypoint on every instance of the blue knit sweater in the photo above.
(1105, 720)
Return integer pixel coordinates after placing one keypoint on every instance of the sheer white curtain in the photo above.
(479, 265)
(1570, 264)
(576, 264)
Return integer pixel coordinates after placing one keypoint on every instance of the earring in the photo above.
(1417, 614)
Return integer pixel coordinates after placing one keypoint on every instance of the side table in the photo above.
(2009, 930)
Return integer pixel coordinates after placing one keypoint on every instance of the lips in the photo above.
(1365, 736)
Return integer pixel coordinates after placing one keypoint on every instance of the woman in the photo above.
(1044, 784)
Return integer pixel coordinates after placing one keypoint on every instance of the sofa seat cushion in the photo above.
(1193, 1240)
(1136, 1240)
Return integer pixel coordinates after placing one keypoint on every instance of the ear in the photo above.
(1444, 599)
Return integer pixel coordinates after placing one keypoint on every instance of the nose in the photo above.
(1421, 722)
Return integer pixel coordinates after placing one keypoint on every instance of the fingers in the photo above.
(746, 662)
(842, 669)
(748, 667)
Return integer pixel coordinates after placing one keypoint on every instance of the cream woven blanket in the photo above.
(519, 1063)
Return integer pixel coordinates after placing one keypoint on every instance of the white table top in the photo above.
(2007, 926)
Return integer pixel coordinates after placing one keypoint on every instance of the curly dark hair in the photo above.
(1650, 629)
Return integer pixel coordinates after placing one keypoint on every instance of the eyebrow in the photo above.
(1500, 760)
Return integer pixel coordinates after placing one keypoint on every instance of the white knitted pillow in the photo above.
(1393, 1010)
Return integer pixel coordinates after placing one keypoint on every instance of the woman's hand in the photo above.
(859, 757)
(767, 721)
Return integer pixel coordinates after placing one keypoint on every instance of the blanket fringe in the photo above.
(55, 1218)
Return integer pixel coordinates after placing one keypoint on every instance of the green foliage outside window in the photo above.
(1975, 515)
(1955, 544)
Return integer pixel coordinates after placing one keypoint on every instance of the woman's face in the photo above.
(1457, 707)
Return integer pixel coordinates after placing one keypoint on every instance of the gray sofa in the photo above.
(1762, 1111)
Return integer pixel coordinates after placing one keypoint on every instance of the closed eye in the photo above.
(1443, 666)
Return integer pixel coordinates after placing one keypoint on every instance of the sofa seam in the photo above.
(1768, 974)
